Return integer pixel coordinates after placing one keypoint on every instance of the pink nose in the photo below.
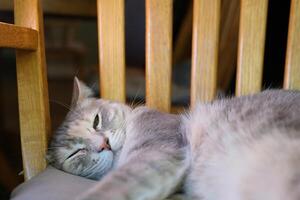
(105, 145)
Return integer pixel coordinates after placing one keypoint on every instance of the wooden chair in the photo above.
(27, 37)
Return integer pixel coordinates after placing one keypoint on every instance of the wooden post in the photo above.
(32, 90)
(158, 54)
(253, 18)
(292, 64)
(205, 44)
(111, 49)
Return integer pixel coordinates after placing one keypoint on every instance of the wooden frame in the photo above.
(292, 65)
(253, 19)
(158, 53)
(205, 50)
(31, 67)
(32, 90)
(13, 36)
(111, 49)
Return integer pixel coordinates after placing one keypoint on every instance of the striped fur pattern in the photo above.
(76, 146)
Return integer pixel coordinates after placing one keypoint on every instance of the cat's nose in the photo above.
(105, 145)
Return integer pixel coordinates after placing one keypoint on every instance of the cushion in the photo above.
(52, 184)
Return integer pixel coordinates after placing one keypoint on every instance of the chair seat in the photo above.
(52, 184)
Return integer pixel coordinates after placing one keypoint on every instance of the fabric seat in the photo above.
(52, 184)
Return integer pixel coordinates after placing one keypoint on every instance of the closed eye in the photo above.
(75, 152)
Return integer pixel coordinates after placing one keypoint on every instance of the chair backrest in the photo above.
(27, 37)
(31, 76)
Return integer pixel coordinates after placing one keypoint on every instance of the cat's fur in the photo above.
(245, 148)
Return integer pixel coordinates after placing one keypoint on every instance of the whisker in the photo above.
(138, 103)
(56, 147)
(93, 86)
(65, 106)
(135, 96)
(89, 130)
(77, 72)
(60, 103)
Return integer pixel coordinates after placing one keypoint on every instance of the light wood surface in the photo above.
(158, 53)
(111, 49)
(252, 31)
(32, 91)
(292, 65)
(205, 50)
(82, 8)
(13, 36)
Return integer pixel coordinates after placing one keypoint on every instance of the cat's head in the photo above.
(92, 133)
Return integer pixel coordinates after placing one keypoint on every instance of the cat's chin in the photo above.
(92, 166)
(97, 171)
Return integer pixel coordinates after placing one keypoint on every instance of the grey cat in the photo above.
(245, 148)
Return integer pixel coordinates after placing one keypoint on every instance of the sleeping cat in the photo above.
(245, 148)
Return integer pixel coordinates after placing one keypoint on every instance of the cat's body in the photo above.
(153, 160)
(244, 148)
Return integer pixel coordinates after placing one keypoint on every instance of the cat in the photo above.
(242, 148)
(153, 142)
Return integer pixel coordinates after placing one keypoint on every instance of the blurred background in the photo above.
(72, 50)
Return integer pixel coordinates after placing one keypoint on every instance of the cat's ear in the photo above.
(80, 92)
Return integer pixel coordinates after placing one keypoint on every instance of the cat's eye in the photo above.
(97, 122)
(76, 152)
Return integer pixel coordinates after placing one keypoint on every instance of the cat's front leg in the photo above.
(149, 177)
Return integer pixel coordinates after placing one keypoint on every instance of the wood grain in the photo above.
(111, 49)
(251, 45)
(158, 54)
(205, 43)
(292, 65)
(86, 8)
(13, 36)
(32, 91)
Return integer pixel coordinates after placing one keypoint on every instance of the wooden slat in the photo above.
(292, 65)
(205, 42)
(251, 45)
(86, 8)
(111, 49)
(158, 53)
(32, 91)
(13, 36)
